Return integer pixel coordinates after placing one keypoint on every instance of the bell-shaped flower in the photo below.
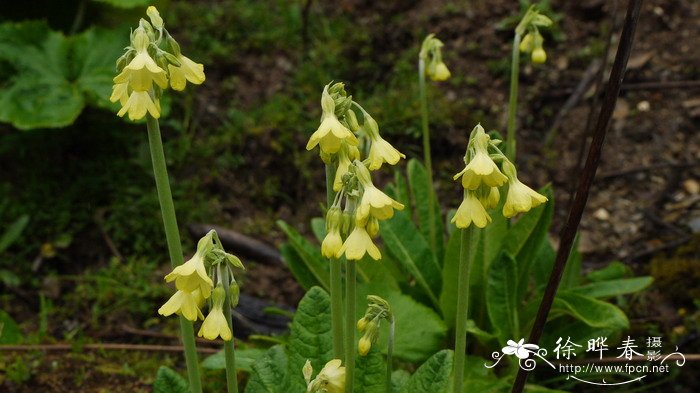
(481, 169)
(346, 155)
(471, 211)
(358, 244)
(188, 71)
(373, 202)
(142, 71)
(521, 198)
(192, 274)
(331, 132)
(331, 379)
(439, 72)
(138, 104)
(184, 303)
(215, 324)
(490, 197)
(380, 150)
(120, 92)
(333, 241)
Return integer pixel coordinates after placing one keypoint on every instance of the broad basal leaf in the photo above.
(433, 376)
(168, 381)
(269, 373)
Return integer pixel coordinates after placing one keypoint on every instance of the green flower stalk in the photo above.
(527, 39)
(378, 309)
(429, 64)
(153, 62)
(486, 170)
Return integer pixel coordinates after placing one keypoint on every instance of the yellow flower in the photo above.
(439, 72)
(120, 92)
(364, 345)
(330, 134)
(358, 244)
(138, 104)
(187, 71)
(192, 275)
(382, 151)
(526, 43)
(142, 71)
(362, 324)
(215, 324)
(344, 162)
(481, 168)
(182, 303)
(377, 204)
(331, 379)
(491, 198)
(154, 15)
(539, 56)
(521, 198)
(471, 211)
(331, 243)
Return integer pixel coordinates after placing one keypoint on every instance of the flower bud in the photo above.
(364, 346)
(234, 293)
(173, 46)
(156, 20)
(351, 119)
(362, 324)
(526, 43)
(539, 56)
(373, 227)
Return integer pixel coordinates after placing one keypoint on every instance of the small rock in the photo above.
(602, 214)
(643, 106)
(692, 186)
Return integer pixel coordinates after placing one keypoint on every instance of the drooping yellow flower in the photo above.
(120, 92)
(138, 104)
(215, 324)
(481, 169)
(332, 243)
(374, 202)
(184, 303)
(192, 275)
(382, 151)
(521, 198)
(471, 211)
(439, 72)
(142, 71)
(187, 71)
(364, 345)
(331, 379)
(331, 132)
(358, 244)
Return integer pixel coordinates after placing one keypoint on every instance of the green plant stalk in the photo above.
(465, 259)
(350, 295)
(389, 353)
(172, 236)
(427, 156)
(513, 98)
(336, 280)
(229, 351)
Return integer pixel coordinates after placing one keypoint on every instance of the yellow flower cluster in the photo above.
(194, 284)
(341, 139)
(532, 42)
(431, 53)
(145, 69)
(481, 179)
(331, 378)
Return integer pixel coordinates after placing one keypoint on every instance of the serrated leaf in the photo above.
(399, 379)
(422, 190)
(169, 381)
(269, 373)
(310, 336)
(309, 254)
(245, 358)
(370, 373)
(405, 242)
(433, 376)
(502, 299)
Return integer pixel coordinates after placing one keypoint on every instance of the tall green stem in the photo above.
(229, 351)
(465, 257)
(513, 98)
(350, 277)
(389, 353)
(336, 280)
(172, 236)
(427, 157)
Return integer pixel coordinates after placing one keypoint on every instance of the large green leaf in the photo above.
(9, 331)
(310, 255)
(245, 358)
(419, 330)
(370, 373)
(407, 245)
(433, 376)
(592, 312)
(399, 191)
(269, 373)
(168, 381)
(422, 191)
(310, 336)
(55, 76)
(450, 275)
(502, 298)
(612, 288)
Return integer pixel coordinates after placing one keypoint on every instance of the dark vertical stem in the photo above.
(568, 233)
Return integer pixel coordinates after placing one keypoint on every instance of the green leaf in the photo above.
(303, 275)
(433, 376)
(612, 288)
(310, 336)
(399, 379)
(450, 275)
(269, 373)
(502, 297)
(571, 277)
(414, 342)
(309, 254)
(245, 358)
(422, 190)
(169, 381)
(592, 312)
(55, 76)
(399, 191)
(370, 373)
(126, 3)
(13, 232)
(9, 331)
(318, 227)
(483, 336)
(402, 239)
(613, 271)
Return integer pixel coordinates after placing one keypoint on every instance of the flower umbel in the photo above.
(215, 324)
(331, 379)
